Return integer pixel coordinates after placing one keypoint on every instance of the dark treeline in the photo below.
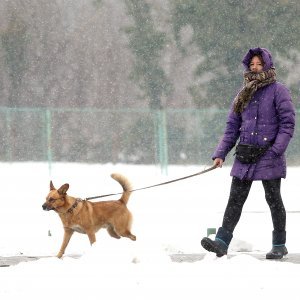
(136, 54)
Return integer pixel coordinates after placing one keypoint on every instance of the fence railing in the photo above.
(138, 136)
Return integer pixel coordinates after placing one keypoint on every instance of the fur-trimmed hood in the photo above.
(266, 55)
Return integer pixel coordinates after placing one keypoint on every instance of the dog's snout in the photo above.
(44, 206)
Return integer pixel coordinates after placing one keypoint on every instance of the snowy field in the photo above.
(167, 220)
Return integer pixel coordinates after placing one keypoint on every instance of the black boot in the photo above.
(277, 252)
(279, 249)
(220, 244)
(217, 246)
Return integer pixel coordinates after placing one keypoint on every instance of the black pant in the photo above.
(238, 195)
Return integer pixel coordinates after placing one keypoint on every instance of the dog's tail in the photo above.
(126, 185)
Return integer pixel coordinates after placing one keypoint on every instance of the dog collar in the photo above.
(70, 210)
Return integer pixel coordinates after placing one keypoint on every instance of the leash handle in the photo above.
(155, 185)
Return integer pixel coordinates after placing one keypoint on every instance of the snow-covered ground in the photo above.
(168, 219)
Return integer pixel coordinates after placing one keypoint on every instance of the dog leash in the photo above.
(155, 185)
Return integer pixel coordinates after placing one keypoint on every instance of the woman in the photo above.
(262, 117)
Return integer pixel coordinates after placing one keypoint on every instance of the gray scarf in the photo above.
(252, 82)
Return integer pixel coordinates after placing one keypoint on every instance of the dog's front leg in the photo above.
(92, 236)
(67, 236)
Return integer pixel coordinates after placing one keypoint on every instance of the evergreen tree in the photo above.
(14, 42)
(146, 44)
(224, 30)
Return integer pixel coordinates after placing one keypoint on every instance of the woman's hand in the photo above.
(218, 162)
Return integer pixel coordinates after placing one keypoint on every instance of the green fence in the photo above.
(185, 136)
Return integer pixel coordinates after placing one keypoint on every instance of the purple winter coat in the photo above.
(268, 118)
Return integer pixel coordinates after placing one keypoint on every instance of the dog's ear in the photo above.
(51, 186)
(63, 189)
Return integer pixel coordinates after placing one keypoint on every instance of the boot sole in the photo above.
(210, 246)
(272, 256)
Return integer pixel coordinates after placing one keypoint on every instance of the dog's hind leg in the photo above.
(67, 236)
(129, 235)
(123, 226)
(112, 232)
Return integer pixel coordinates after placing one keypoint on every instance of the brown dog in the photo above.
(88, 217)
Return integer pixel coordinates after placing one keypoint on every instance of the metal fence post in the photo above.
(48, 136)
(162, 140)
(8, 155)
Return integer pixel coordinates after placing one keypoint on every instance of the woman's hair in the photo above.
(260, 58)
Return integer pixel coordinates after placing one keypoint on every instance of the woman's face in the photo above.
(256, 64)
